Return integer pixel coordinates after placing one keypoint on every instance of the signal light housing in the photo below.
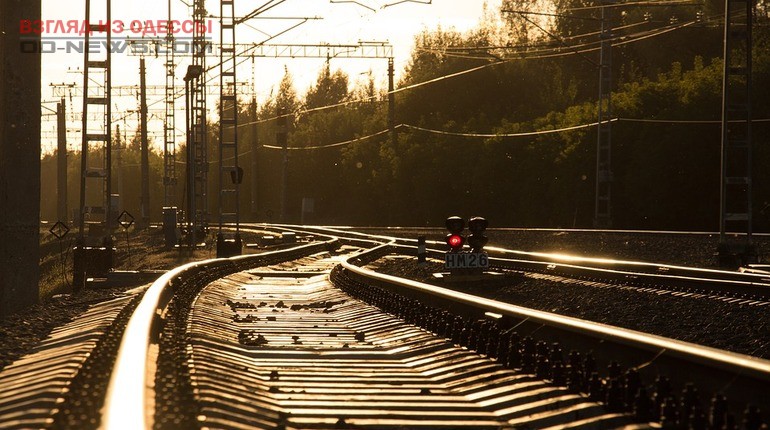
(477, 239)
(455, 239)
(455, 224)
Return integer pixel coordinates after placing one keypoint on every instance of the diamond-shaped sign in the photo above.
(126, 220)
(59, 230)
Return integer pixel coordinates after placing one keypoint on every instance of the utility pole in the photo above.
(603, 208)
(195, 154)
(736, 176)
(230, 172)
(19, 159)
(94, 253)
(282, 139)
(391, 103)
(119, 154)
(61, 161)
(254, 159)
(197, 133)
(145, 198)
(169, 125)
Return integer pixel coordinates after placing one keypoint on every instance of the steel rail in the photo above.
(635, 266)
(126, 403)
(695, 279)
(330, 233)
(718, 285)
(744, 379)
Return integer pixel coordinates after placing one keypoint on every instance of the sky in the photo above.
(342, 22)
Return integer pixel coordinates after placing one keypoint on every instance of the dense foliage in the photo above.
(534, 73)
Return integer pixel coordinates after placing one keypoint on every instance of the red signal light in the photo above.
(455, 241)
(455, 238)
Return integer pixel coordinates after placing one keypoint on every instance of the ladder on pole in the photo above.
(95, 180)
(93, 253)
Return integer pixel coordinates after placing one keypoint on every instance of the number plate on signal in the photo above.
(466, 260)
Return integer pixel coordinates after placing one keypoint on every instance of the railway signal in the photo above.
(455, 238)
(468, 263)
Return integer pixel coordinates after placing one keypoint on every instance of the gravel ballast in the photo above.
(19, 333)
(739, 328)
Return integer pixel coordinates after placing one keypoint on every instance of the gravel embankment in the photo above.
(739, 328)
(20, 332)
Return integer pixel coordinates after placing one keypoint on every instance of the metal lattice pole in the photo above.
(61, 156)
(197, 160)
(96, 138)
(230, 173)
(736, 180)
(145, 150)
(169, 126)
(603, 214)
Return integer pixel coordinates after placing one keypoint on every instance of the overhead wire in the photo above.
(552, 54)
(521, 134)
(665, 3)
(492, 135)
(549, 53)
(431, 81)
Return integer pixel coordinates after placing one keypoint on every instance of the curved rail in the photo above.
(744, 379)
(126, 402)
(613, 268)
(632, 272)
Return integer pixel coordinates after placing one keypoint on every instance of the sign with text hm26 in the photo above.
(466, 260)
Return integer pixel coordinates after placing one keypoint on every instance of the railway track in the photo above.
(308, 338)
(749, 285)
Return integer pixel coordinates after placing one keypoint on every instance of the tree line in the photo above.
(532, 72)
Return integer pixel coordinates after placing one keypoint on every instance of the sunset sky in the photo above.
(341, 23)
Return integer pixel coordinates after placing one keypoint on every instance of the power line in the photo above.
(551, 54)
(686, 121)
(492, 135)
(333, 145)
(666, 3)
